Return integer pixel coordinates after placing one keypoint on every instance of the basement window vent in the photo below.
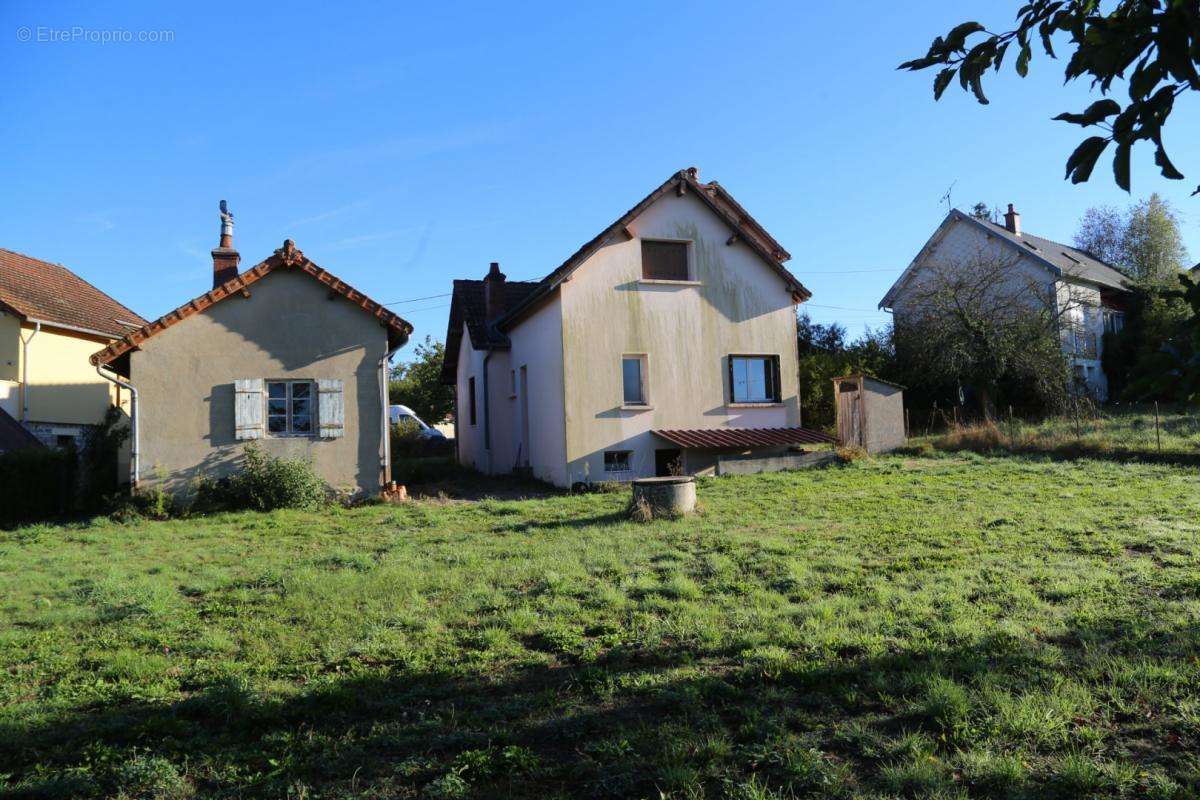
(616, 460)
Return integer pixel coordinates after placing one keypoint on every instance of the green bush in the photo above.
(264, 483)
(407, 442)
(36, 483)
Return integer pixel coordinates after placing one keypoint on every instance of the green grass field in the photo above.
(952, 626)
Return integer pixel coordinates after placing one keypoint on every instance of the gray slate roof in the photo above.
(1071, 262)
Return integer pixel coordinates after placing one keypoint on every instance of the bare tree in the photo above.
(987, 324)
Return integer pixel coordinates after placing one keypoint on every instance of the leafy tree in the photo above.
(974, 325)
(1102, 233)
(1155, 44)
(418, 383)
(825, 354)
(981, 211)
(1153, 244)
(1166, 360)
(1144, 242)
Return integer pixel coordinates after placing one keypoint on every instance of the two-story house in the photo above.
(1086, 295)
(665, 341)
(51, 321)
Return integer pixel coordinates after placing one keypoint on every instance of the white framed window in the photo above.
(633, 380)
(291, 408)
(754, 379)
(617, 460)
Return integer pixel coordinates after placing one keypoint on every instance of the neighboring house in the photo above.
(1087, 294)
(666, 341)
(51, 320)
(284, 354)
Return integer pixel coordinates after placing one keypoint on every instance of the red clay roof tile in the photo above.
(38, 290)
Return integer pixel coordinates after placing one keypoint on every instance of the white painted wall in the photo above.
(537, 343)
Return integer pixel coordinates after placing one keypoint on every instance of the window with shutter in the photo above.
(248, 408)
(331, 408)
(664, 261)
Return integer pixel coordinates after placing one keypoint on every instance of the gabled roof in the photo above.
(467, 310)
(744, 227)
(285, 258)
(14, 435)
(39, 291)
(1061, 260)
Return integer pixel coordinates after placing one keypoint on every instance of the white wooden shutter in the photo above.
(248, 408)
(330, 407)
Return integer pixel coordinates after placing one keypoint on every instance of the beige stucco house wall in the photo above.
(734, 305)
(554, 394)
(288, 328)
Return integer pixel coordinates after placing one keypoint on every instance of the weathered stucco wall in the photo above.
(537, 344)
(468, 436)
(736, 304)
(963, 245)
(289, 328)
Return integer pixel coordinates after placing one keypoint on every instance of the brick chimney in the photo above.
(493, 293)
(1012, 220)
(225, 258)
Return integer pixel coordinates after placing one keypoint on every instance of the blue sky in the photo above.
(404, 145)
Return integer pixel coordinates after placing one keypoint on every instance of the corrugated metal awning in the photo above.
(743, 437)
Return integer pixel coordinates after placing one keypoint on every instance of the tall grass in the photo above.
(1124, 435)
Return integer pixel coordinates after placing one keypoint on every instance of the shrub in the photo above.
(264, 483)
(98, 463)
(407, 442)
(35, 483)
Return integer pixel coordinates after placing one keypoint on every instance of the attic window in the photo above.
(664, 261)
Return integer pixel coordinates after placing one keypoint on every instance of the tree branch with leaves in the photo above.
(1153, 45)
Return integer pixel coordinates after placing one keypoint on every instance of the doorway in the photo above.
(668, 462)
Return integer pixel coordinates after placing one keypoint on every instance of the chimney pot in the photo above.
(493, 293)
(225, 258)
(1012, 220)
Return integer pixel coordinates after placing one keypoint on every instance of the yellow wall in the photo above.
(9, 363)
(63, 385)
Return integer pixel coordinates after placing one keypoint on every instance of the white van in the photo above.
(404, 414)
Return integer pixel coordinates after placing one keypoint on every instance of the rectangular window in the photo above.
(471, 397)
(754, 379)
(633, 376)
(291, 408)
(664, 261)
(616, 460)
(1114, 321)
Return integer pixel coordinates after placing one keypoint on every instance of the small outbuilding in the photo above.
(870, 413)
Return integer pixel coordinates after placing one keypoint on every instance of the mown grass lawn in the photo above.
(926, 627)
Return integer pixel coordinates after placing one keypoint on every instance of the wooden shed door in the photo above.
(849, 414)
